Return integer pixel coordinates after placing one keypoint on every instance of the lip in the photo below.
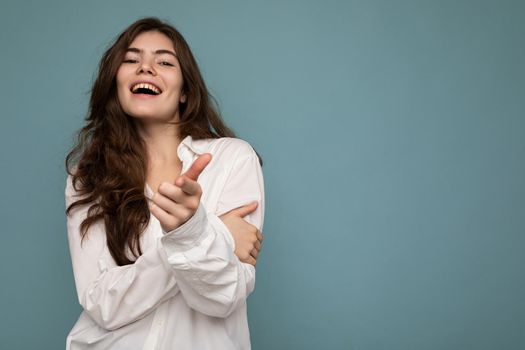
(143, 96)
(145, 82)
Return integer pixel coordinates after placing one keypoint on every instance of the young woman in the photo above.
(165, 206)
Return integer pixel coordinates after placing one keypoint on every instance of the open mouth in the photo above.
(145, 89)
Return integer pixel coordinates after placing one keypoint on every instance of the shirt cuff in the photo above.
(189, 234)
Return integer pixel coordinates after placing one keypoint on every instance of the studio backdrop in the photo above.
(393, 140)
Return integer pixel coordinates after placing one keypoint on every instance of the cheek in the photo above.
(119, 81)
(122, 96)
(177, 81)
(123, 75)
(120, 92)
(121, 87)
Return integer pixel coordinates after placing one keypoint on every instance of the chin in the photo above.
(149, 116)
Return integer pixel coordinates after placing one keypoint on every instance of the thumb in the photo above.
(198, 166)
(244, 210)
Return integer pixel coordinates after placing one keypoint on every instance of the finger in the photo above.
(170, 206)
(251, 261)
(257, 245)
(189, 186)
(177, 196)
(171, 192)
(244, 210)
(260, 236)
(198, 166)
(165, 218)
(254, 253)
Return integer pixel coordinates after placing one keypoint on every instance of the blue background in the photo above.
(393, 135)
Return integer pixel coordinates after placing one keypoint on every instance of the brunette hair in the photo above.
(110, 158)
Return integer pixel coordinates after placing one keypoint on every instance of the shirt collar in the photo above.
(187, 148)
(196, 146)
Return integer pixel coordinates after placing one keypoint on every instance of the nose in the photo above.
(145, 67)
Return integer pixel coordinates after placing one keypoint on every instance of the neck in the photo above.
(162, 141)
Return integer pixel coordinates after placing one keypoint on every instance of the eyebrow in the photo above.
(157, 52)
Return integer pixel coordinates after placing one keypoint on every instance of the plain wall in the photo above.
(393, 136)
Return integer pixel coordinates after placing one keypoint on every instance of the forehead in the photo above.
(151, 41)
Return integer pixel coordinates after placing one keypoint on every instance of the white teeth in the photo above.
(134, 88)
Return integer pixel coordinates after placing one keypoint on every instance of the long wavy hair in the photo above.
(110, 158)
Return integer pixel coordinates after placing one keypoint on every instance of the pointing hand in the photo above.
(174, 204)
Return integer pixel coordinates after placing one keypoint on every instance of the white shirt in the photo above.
(188, 289)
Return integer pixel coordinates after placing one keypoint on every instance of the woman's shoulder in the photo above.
(230, 147)
(72, 189)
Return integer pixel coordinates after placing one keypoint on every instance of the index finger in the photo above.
(190, 187)
(198, 166)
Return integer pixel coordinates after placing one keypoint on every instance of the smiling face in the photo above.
(149, 79)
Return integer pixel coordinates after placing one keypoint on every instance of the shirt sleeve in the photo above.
(115, 295)
(211, 278)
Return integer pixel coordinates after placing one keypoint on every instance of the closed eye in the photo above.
(164, 63)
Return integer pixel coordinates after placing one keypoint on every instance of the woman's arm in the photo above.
(211, 278)
(115, 295)
(118, 295)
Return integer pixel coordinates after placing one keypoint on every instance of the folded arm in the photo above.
(210, 276)
(196, 259)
